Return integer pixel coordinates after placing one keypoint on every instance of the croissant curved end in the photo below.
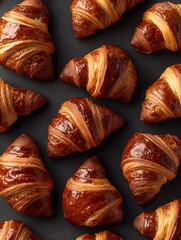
(38, 101)
(151, 113)
(138, 44)
(138, 223)
(66, 74)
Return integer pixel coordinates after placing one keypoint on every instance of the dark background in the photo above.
(149, 68)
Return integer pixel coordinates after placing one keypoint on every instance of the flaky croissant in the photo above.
(15, 102)
(149, 161)
(24, 181)
(80, 125)
(163, 97)
(160, 29)
(103, 235)
(161, 224)
(106, 72)
(25, 43)
(89, 199)
(15, 230)
(90, 15)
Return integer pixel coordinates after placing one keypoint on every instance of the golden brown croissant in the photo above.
(15, 102)
(25, 43)
(160, 29)
(15, 230)
(106, 72)
(104, 235)
(80, 125)
(90, 15)
(163, 223)
(24, 181)
(149, 161)
(163, 97)
(89, 199)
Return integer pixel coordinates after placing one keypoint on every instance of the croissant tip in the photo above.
(66, 73)
(146, 116)
(142, 117)
(138, 223)
(139, 45)
(92, 161)
(41, 100)
(23, 139)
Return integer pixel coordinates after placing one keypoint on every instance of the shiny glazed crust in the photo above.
(11, 230)
(163, 97)
(80, 125)
(24, 181)
(149, 161)
(160, 29)
(15, 102)
(106, 72)
(103, 235)
(89, 199)
(90, 15)
(162, 224)
(25, 43)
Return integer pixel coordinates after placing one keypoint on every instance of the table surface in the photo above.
(149, 68)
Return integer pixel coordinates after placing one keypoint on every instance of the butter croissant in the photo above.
(25, 43)
(149, 161)
(90, 15)
(24, 181)
(106, 72)
(15, 102)
(161, 224)
(89, 199)
(163, 97)
(160, 29)
(103, 235)
(15, 230)
(80, 125)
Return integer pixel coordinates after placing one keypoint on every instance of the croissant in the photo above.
(106, 72)
(161, 224)
(90, 15)
(15, 230)
(163, 97)
(149, 161)
(15, 102)
(24, 181)
(25, 43)
(103, 235)
(80, 125)
(89, 199)
(160, 29)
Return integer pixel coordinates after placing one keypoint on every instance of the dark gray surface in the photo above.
(149, 68)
